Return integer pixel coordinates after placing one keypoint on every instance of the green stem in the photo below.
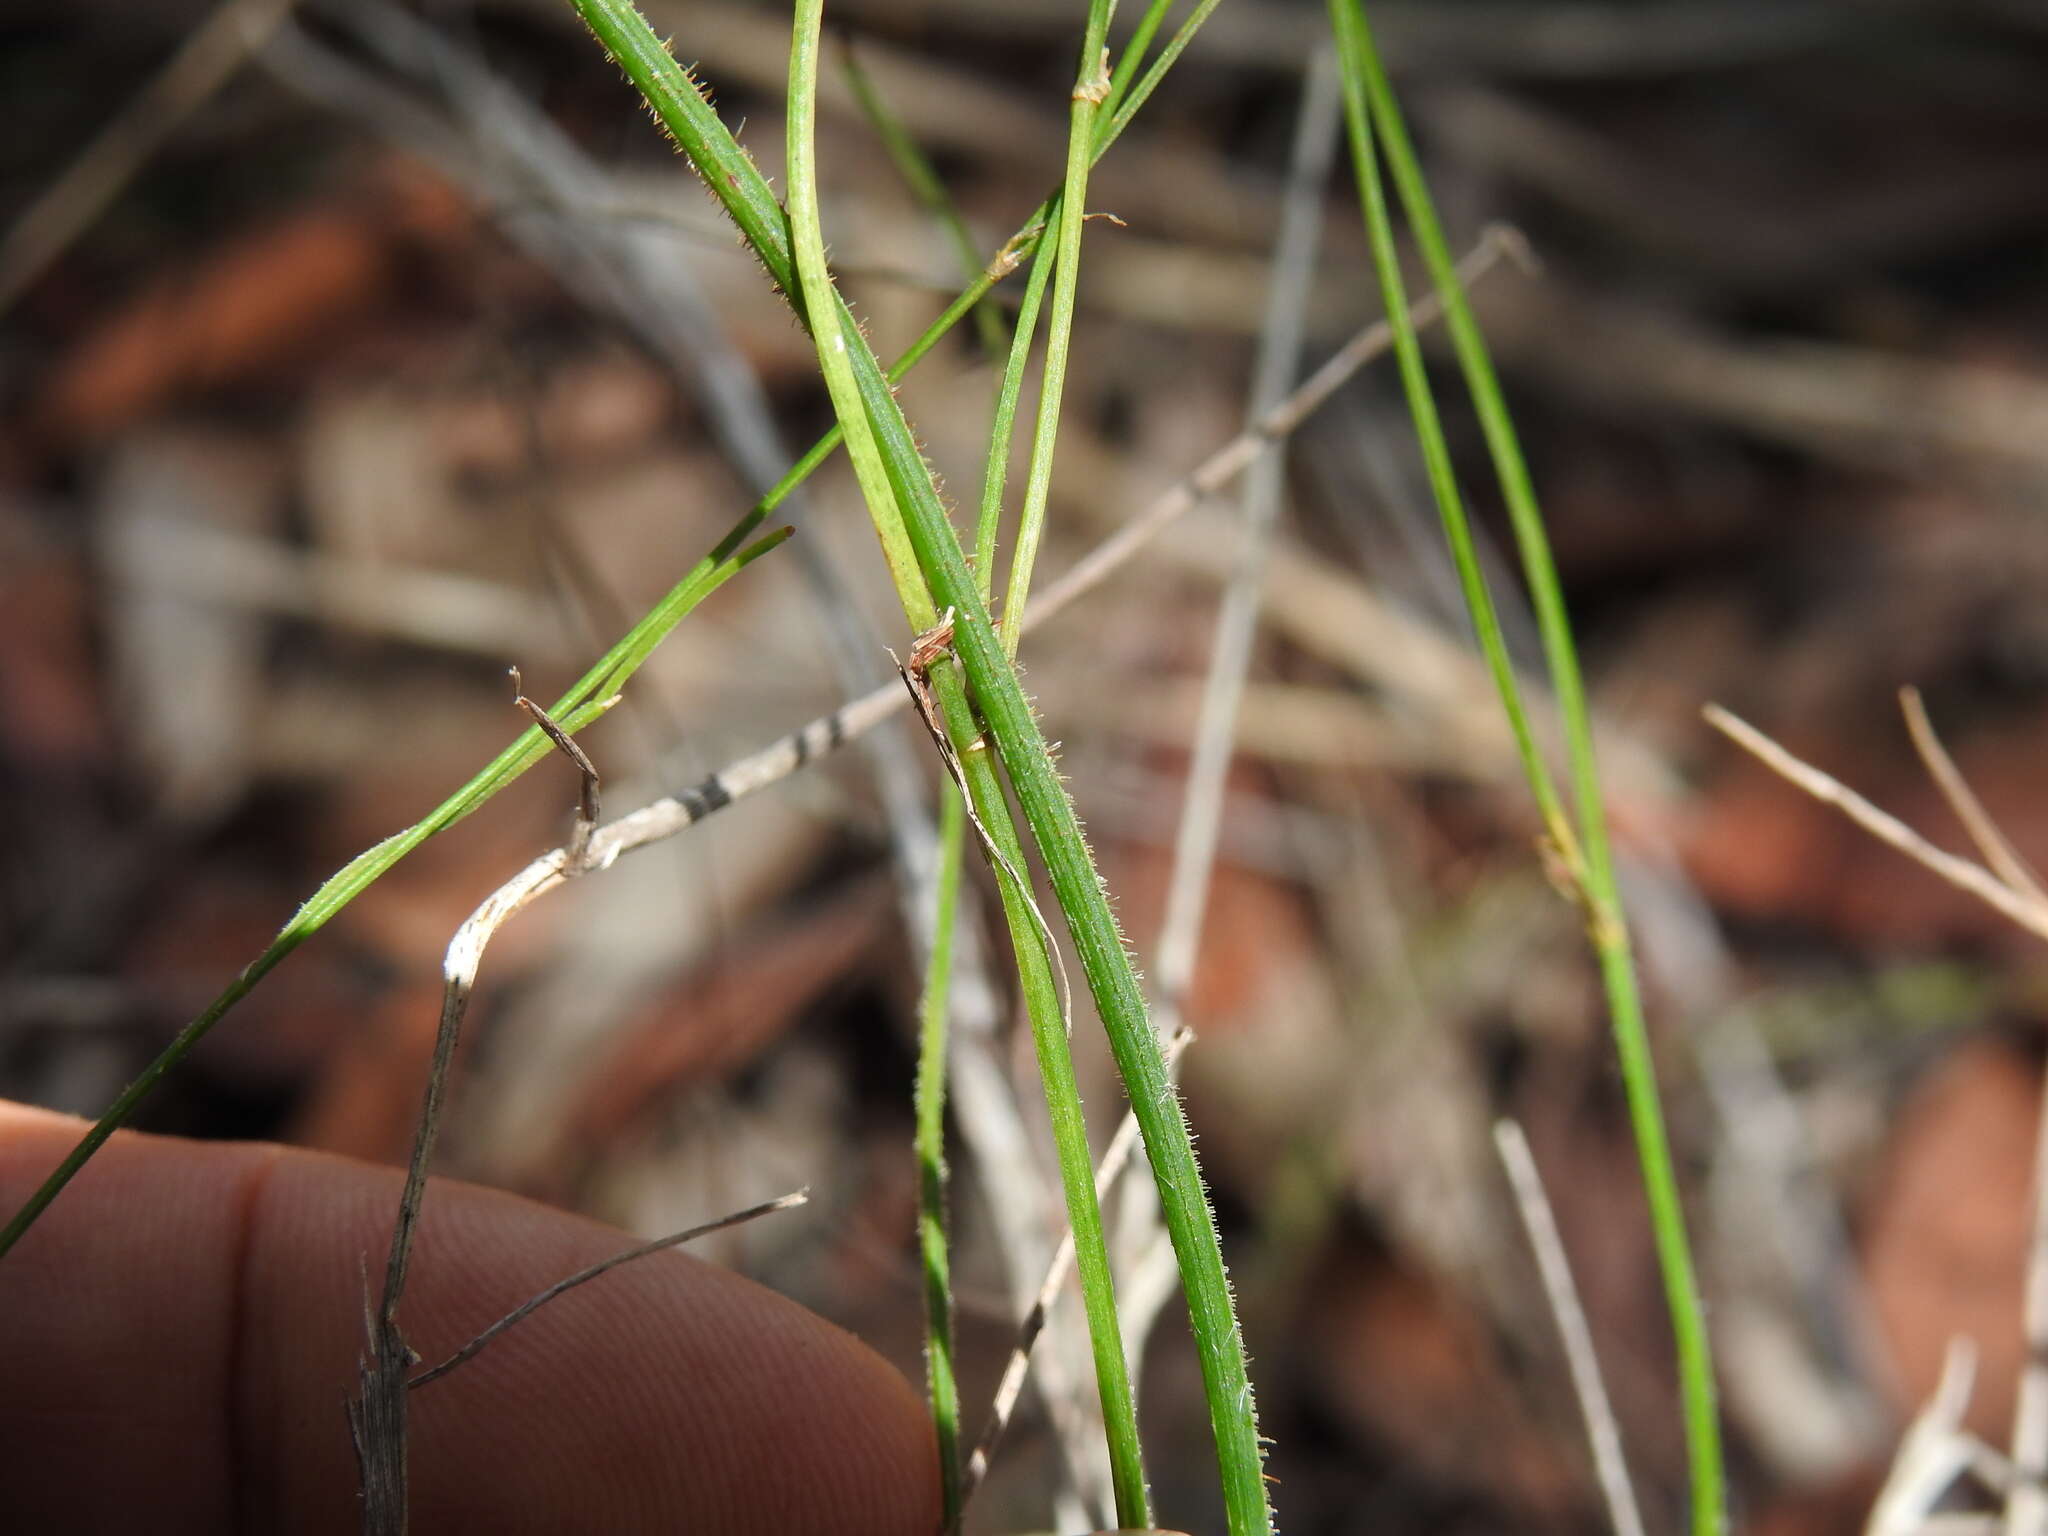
(1002, 431)
(1091, 89)
(1121, 108)
(1436, 454)
(1026, 760)
(929, 1103)
(1048, 1020)
(838, 342)
(1598, 885)
(1134, 48)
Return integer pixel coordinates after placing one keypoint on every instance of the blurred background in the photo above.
(350, 355)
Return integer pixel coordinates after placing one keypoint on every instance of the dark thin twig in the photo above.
(520, 1313)
(377, 1418)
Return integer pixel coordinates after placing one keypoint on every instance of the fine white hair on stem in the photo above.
(377, 1417)
(1603, 1434)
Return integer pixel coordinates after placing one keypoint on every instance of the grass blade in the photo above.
(1002, 429)
(1429, 434)
(1372, 110)
(576, 709)
(1026, 761)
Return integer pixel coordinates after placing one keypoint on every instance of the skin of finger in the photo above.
(180, 1331)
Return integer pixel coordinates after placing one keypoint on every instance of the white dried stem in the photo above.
(1603, 1434)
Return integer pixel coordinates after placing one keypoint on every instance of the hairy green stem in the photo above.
(1027, 762)
(837, 338)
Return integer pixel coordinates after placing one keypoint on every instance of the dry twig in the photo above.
(1961, 873)
(2012, 892)
(2003, 859)
(377, 1418)
(533, 1304)
(1603, 1434)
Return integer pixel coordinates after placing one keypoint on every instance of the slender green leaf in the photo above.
(582, 704)
(1002, 429)
(1091, 89)
(1372, 107)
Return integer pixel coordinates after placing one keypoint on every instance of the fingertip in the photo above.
(667, 1389)
(183, 1327)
